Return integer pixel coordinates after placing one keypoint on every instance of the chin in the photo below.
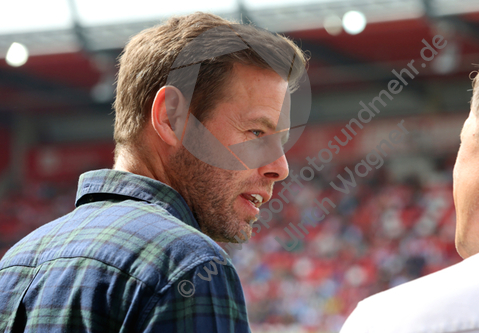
(465, 247)
(243, 234)
(467, 232)
(460, 250)
(232, 232)
(463, 252)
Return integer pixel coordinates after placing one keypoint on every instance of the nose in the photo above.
(277, 170)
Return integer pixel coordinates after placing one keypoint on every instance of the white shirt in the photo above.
(445, 301)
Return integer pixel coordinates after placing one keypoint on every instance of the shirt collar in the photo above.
(108, 181)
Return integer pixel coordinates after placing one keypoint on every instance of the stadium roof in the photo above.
(51, 26)
(74, 45)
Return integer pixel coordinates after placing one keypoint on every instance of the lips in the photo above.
(256, 198)
(248, 207)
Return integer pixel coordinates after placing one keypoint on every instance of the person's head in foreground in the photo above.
(238, 97)
(466, 182)
(444, 301)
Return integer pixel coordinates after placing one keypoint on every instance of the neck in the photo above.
(143, 162)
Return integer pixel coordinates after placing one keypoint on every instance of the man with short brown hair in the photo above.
(138, 252)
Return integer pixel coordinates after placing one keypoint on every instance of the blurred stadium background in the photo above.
(57, 72)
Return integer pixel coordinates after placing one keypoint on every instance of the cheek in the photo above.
(457, 187)
(457, 166)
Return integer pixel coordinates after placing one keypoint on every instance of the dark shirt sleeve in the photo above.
(211, 306)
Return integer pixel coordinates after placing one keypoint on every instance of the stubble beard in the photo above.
(210, 193)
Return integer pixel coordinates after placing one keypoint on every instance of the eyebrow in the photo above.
(266, 122)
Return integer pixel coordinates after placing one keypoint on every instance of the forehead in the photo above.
(257, 91)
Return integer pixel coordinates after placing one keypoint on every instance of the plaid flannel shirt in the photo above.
(115, 264)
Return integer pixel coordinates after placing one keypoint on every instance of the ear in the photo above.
(168, 114)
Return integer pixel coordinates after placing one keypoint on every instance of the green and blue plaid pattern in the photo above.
(114, 265)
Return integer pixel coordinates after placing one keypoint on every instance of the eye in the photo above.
(257, 132)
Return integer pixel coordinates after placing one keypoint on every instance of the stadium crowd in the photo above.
(384, 233)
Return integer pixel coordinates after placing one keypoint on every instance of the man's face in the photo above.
(220, 199)
(466, 187)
